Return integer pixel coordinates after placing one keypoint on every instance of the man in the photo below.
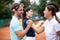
(16, 29)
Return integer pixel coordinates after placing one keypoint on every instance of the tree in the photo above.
(25, 2)
(5, 11)
(41, 7)
(57, 1)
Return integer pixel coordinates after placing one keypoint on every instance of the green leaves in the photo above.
(26, 3)
(57, 1)
(5, 11)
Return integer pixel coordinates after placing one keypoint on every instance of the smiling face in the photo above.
(29, 13)
(47, 13)
(20, 11)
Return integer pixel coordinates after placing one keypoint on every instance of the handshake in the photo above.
(30, 23)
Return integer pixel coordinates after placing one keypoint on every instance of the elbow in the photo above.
(20, 37)
(38, 32)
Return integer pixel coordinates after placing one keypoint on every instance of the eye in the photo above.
(31, 11)
(21, 10)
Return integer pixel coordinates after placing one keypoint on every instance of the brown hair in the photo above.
(52, 6)
(15, 6)
(55, 5)
(52, 9)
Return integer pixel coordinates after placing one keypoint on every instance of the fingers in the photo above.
(29, 22)
(41, 22)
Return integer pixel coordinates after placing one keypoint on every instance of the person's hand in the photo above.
(41, 22)
(29, 23)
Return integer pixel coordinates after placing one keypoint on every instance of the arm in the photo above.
(21, 34)
(17, 29)
(38, 29)
(58, 33)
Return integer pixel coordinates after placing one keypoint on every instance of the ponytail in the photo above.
(57, 9)
(57, 18)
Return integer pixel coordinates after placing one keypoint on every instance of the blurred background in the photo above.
(6, 13)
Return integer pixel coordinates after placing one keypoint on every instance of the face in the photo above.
(47, 13)
(30, 13)
(20, 11)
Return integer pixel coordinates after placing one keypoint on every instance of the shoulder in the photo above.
(25, 19)
(14, 22)
(55, 22)
(45, 23)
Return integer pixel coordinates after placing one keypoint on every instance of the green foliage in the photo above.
(26, 3)
(5, 11)
(57, 1)
(37, 8)
(41, 7)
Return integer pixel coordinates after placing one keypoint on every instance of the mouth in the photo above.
(21, 14)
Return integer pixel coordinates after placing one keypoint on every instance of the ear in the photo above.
(26, 12)
(50, 11)
(13, 10)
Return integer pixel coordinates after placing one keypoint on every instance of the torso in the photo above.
(31, 32)
(50, 29)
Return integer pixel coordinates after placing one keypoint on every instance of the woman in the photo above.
(26, 16)
(57, 10)
(52, 27)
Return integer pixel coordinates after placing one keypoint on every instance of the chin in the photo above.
(45, 16)
(19, 16)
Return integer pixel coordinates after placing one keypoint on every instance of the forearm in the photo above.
(29, 24)
(38, 29)
(58, 33)
(23, 33)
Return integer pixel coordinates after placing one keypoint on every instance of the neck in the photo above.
(50, 18)
(27, 16)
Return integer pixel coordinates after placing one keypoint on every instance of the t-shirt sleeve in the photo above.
(16, 26)
(57, 27)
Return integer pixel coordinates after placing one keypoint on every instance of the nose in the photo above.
(22, 11)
